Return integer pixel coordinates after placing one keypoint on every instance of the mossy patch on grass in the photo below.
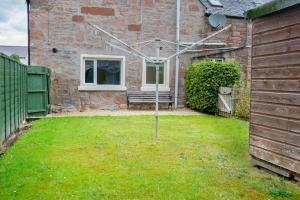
(275, 192)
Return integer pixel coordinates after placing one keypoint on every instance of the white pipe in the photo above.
(177, 51)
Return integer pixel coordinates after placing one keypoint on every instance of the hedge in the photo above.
(203, 80)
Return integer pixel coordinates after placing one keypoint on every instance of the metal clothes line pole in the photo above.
(157, 49)
(200, 42)
(117, 39)
(157, 61)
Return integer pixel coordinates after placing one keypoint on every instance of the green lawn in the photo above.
(197, 157)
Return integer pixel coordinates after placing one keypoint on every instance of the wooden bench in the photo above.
(139, 97)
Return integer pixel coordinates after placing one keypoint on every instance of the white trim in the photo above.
(101, 87)
(93, 86)
(161, 87)
(150, 88)
(216, 59)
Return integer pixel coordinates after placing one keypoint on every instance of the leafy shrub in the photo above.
(242, 105)
(204, 79)
(15, 57)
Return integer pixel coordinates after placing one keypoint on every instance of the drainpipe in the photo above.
(28, 30)
(177, 50)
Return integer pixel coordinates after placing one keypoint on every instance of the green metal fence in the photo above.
(24, 91)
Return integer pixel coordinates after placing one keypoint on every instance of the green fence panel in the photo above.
(2, 100)
(12, 95)
(24, 91)
(38, 91)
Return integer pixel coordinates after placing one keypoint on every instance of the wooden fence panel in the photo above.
(13, 93)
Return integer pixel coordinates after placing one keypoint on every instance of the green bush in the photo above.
(204, 79)
(242, 105)
(15, 57)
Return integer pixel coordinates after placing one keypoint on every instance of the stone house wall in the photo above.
(62, 24)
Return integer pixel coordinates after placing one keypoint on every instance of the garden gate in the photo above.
(38, 91)
(225, 101)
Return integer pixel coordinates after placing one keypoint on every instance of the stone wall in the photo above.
(62, 24)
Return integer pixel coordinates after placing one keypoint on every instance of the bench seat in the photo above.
(141, 97)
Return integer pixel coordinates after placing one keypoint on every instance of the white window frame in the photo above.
(216, 59)
(94, 86)
(152, 87)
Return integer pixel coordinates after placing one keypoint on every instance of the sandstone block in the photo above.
(98, 11)
(134, 27)
(77, 18)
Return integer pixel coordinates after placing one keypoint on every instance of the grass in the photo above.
(197, 157)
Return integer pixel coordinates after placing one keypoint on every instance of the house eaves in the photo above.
(271, 7)
(232, 8)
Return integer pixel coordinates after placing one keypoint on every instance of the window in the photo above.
(149, 76)
(151, 73)
(102, 72)
(89, 71)
(108, 72)
(216, 59)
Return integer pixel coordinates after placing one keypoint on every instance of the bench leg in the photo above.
(170, 105)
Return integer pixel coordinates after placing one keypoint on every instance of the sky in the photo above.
(13, 22)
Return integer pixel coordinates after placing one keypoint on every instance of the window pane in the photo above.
(216, 59)
(108, 72)
(89, 71)
(151, 73)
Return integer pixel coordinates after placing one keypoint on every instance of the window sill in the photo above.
(101, 88)
(150, 88)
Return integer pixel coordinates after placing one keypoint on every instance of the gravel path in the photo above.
(183, 111)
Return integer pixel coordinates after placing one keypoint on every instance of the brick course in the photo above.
(134, 27)
(77, 18)
(98, 11)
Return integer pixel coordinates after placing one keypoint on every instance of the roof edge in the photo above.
(271, 7)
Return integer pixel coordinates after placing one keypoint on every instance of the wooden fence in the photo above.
(13, 96)
(24, 92)
(226, 101)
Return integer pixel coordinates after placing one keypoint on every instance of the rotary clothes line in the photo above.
(157, 61)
